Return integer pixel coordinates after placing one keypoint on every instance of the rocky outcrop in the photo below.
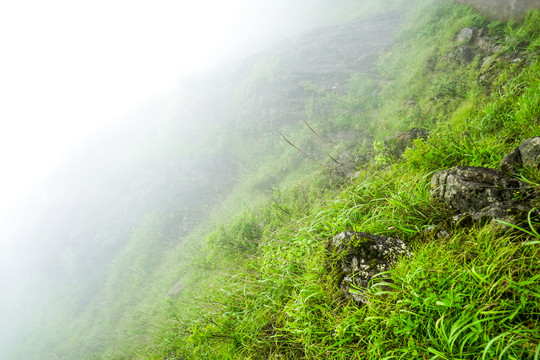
(472, 42)
(357, 257)
(318, 60)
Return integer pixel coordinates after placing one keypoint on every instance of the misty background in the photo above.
(69, 68)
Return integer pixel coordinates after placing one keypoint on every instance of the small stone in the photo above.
(466, 35)
(437, 231)
(486, 62)
(462, 220)
(410, 103)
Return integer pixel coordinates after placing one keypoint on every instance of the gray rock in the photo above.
(470, 189)
(512, 162)
(466, 35)
(530, 152)
(489, 196)
(358, 256)
(526, 154)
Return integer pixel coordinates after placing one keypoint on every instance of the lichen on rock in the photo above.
(484, 195)
(356, 257)
(471, 189)
(527, 154)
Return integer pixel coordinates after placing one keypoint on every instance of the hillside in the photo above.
(236, 218)
(284, 279)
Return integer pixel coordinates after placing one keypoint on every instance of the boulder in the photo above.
(527, 154)
(470, 189)
(358, 256)
(484, 195)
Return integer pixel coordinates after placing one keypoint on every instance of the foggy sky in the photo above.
(69, 67)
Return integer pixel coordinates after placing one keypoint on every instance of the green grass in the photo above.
(475, 293)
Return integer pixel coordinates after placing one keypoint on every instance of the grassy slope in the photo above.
(261, 288)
